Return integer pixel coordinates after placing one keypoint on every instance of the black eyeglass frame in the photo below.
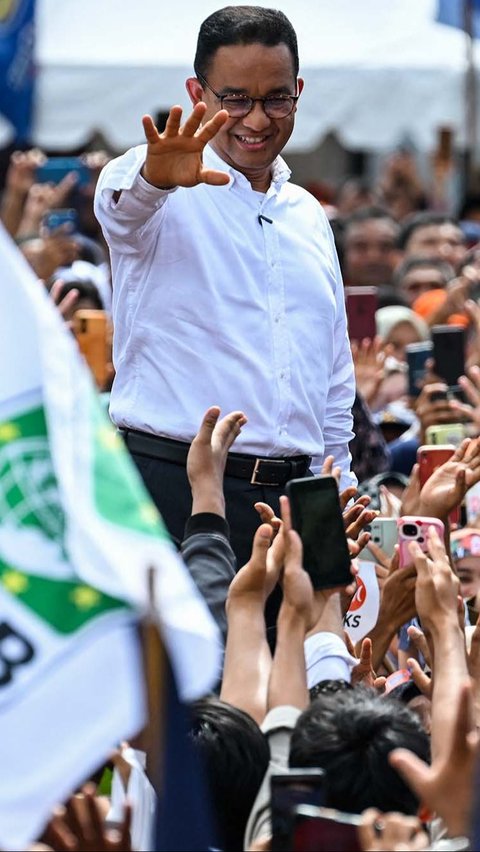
(292, 99)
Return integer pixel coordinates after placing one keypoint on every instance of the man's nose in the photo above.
(257, 118)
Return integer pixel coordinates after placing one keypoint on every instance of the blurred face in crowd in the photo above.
(468, 570)
(251, 143)
(419, 280)
(370, 252)
(400, 336)
(445, 242)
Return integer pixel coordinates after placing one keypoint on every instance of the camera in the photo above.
(410, 530)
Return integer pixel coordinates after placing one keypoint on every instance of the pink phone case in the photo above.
(418, 532)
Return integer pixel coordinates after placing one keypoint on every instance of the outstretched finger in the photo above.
(421, 680)
(209, 421)
(149, 128)
(228, 429)
(346, 495)
(194, 120)
(214, 178)
(471, 391)
(211, 127)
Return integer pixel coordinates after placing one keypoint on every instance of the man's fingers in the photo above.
(420, 679)
(286, 515)
(151, 133)
(229, 428)
(211, 128)
(261, 542)
(194, 120)
(417, 636)
(413, 770)
(214, 178)
(208, 424)
(366, 653)
(471, 392)
(347, 495)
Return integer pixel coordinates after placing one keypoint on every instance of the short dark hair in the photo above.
(236, 757)
(350, 735)
(421, 262)
(244, 25)
(365, 214)
(422, 220)
(86, 290)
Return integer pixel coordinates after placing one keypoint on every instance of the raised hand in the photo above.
(369, 362)
(174, 157)
(207, 458)
(79, 827)
(437, 587)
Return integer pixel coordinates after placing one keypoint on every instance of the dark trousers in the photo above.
(169, 488)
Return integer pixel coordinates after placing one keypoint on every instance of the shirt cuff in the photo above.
(144, 191)
(207, 522)
(326, 658)
(284, 716)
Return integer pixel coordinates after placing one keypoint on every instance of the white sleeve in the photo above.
(341, 393)
(126, 222)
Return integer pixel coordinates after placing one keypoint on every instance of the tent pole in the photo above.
(470, 101)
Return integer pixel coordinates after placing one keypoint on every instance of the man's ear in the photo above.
(300, 84)
(194, 89)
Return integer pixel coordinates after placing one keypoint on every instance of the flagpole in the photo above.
(470, 100)
(155, 665)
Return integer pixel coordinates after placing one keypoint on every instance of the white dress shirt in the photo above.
(214, 306)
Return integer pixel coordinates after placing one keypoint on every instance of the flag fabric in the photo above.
(452, 13)
(17, 72)
(78, 534)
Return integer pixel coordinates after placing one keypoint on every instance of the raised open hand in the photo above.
(207, 458)
(174, 157)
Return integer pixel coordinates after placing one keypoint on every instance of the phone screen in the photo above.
(449, 352)
(322, 833)
(361, 305)
(417, 357)
(288, 791)
(317, 517)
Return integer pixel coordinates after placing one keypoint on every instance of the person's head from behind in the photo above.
(236, 757)
(417, 275)
(350, 735)
(246, 53)
(88, 297)
(369, 243)
(433, 235)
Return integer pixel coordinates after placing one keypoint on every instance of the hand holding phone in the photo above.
(415, 528)
(317, 517)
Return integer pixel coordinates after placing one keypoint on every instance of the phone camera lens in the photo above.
(420, 540)
(410, 530)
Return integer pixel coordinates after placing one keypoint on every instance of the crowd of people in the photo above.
(223, 286)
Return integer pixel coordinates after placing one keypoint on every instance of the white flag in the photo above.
(78, 534)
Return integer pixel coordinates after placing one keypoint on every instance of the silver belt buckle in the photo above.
(258, 462)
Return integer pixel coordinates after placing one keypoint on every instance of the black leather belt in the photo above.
(260, 471)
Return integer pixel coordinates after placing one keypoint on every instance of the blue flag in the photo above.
(17, 36)
(452, 13)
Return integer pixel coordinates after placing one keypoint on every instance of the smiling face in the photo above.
(249, 144)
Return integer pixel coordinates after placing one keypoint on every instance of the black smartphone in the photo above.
(417, 357)
(317, 517)
(449, 353)
(288, 790)
(325, 830)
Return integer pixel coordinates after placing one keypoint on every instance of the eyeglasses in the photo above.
(238, 106)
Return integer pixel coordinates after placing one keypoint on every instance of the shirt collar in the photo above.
(280, 171)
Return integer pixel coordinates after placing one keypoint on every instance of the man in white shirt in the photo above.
(226, 284)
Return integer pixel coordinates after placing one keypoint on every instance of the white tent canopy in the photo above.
(376, 71)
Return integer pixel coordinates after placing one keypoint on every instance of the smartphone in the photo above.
(449, 353)
(64, 218)
(384, 533)
(430, 457)
(287, 791)
(325, 830)
(446, 433)
(472, 505)
(361, 306)
(414, 528)
(317, 517)
(55, 169)
(417, 357)
(92, 330)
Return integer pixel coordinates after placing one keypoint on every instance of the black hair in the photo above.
(244, 25)
(470, 204)
(422, 262)
(350, 735)
(388, 295)
(236, 757)
(421, 220)
(86, 290)
(365, 214)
